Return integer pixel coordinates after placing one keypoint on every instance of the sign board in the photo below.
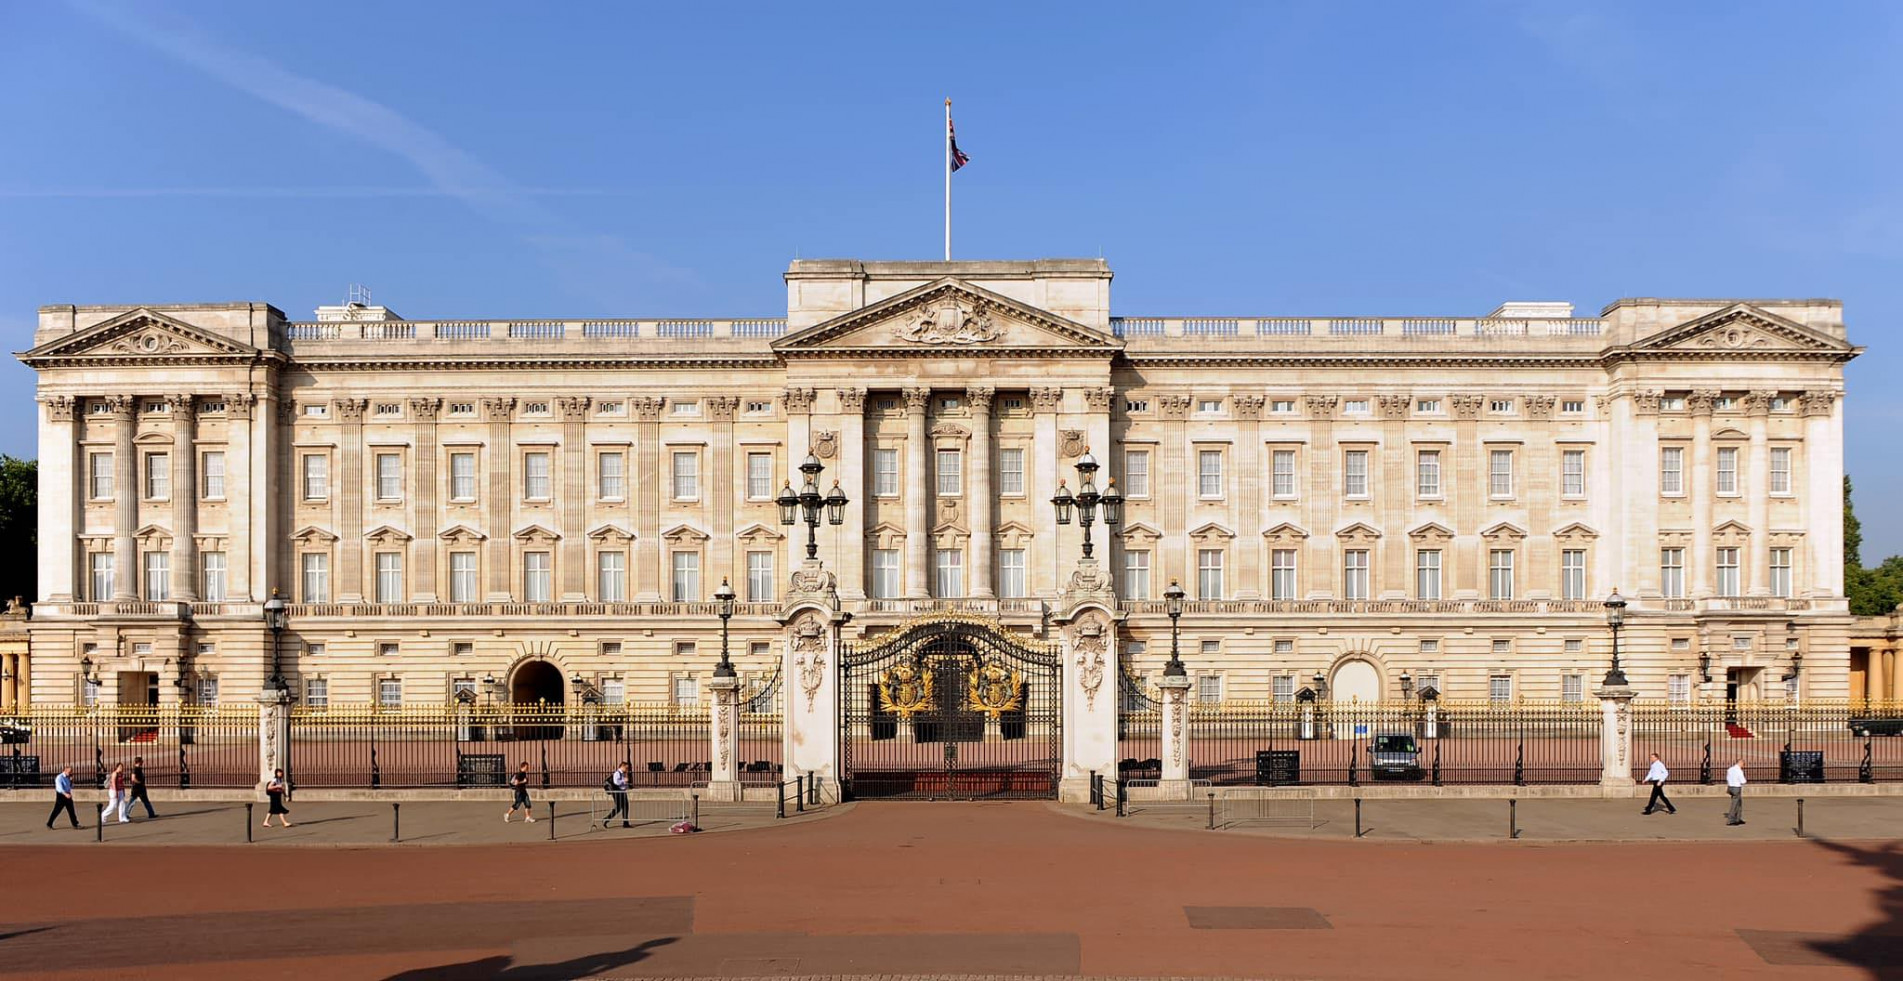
(1800, 766)
(1278, 767)
(481, 770)
(19, 771)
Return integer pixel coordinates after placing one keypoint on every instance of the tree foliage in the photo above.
(19, 528)
(1872, 592)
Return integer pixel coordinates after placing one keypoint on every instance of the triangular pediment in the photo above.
(536, 534)
(948, 317)
(142, 334)
(461, 535)
(611, 534)
(1286, 531)
(759, 534)
(1745, 329)
(388, 535)
(313, 535)
(1358, 530)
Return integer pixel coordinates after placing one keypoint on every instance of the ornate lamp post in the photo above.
(1797, 655)
(725, 597)
(1615, 618)
(1087, 499)
(809, 502)
(274, 619)
(1172, 604)
(1407, 686)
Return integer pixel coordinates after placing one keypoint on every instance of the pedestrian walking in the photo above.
(116, 791)
(617, 787)
(63, 797)
(1734, 785)
(276, 790)
(1656, 776)
(519, 782)
(138, 791)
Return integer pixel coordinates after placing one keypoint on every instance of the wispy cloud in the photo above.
(302, 192)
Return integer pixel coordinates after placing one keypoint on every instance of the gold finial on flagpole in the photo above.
(948, 102)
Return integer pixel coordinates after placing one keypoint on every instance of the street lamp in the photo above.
(1615, 618)
(1321, 685)
(1407, 686)
(1087, 499)
(274, 619)
(724, 596)
(809, 501)
(1797, 655)
(1172, 604)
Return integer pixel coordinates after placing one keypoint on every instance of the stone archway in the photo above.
(536, 683)
(1355, 680)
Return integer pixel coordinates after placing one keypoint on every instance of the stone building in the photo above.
(552, 503)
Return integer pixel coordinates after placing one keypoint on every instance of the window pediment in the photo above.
(1286, 533)
(313, 535)
(1731, 533)
(1576, 532)
(759, 534)
(885, 535)
(1015, 534)
(1139, 534)
(536, 535)
(1212, 533)
(1358, 533)
(1433, 532)
(1504, 533)
(461, 535)
(387, 535)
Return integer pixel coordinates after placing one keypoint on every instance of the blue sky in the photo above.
(1250, 159)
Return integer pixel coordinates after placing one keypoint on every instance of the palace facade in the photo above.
(532, 509)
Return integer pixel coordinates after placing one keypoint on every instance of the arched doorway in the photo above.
(1355, 681)
(535, 692)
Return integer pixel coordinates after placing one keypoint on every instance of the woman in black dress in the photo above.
(275, 791)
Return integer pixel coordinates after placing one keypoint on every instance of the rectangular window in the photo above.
(389, 577)
(1011, 471)
(1011, 573)
(1354, 407)
(1672, 470)
(1780, 470)
(885, 473)
(1427, 473)
(951, 473)
(759, 476)
(389, 692)
(1781, 572)
(611, 576)
(462, 648)
(1282, 688)
(1354, 574)
(316, 693)
(950, 563)
(686, 476)
(1209, 474)
(686, 693)
(759, 577)
(316, 576)
(99, 472)
(1427, 405)
(537, 578)
(462, 577)
(1427, 574)
(1282, 473)
(1136, 575)
(1136, 473)
(535, 479)
(1500, 688)
(1282, 574)
(1672, 573)
(1500, 473)
(1572, 688)
(614, 691)
(316, 477)
(158, 476)
(462, 476)
(1354, 473)
(1572, 407)
(686, 580)
(1678, 689)
(389, 477)
(885, 573)
(158, 575)
(611, 476)
(1500, 574)
(1727, 470)
(1209, 689)
(1728, 584)
(1572, 574)
(1286, 406)
(212, 475)
(1573, 473)
(1209, 573)
(213, 586)
(100, 564)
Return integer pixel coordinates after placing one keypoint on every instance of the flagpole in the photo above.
(948, 170)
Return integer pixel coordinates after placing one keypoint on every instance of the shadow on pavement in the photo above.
(505, 968)
(1877, 948)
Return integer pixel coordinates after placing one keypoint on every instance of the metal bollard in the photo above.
(396, 822)
(1513, 818)
(247, 822)
(1358, 831)
(1123, 799)
(779, 803)
(800, 788)
(1800, 817)
(812, 789)
(694, 814)
(1212, 811)
(551, 820)
(99, 826)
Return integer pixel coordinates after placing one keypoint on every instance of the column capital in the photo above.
(1818, 402)
(916, 399)
(59, 408)
(979, 397)
(1539, 406)
(1467, 407)
(1700, 402)
(238, 405)
(646, 408)
(720, 408)
(120, 407)
(574, 408)
(1758, 403)
(1247, 407)
(184, 407)
(852, 400)
(800, 399)
(1646, 402)
(1392, 406)
(500, 409)
(1174, 406)
(351, 409)
(425, 409)
(1047, 399)
(1098, 399)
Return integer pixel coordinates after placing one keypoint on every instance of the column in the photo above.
(62, 475)
(1633, 436)
(348, 492)
(573, 506)
(1047, 575)
(1878, 665)
(1757, 490)
(649, 577)
(851, 560)
(1250, 478)
(1824, 472)
(1702, 560)
(274, 734)
(799, 442)
(184, 498)
(1469, 499)
(1174, 481)
(125, 490)
(721, 466)
(1889, 671)
(723, 784)
(918, 531)
(245, 551)
(1615, 736)
(1175, 782)
(423, 412)
(1542, 477)
(979, 499)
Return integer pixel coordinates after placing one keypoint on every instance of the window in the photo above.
(89, 693)
(1672, 403)
(535, 482)
(316, 477)
(1011, 471)
(212, 475)
(885, 573)
(1500, 688)
(609, 648)
(1427, 574)
(1672, 470)
(389, 577)
(1728, 584)
(1427, 405)
(1502, 646)
(1209, 688)
(100, 565)
(683, 650)
(1427, 473)
(1572, 407)
(1208, 406)
(1572, 574)
(462, 648)
(1780, 470)
(212, 587)
(1282, 406)
(1355, 407)
(885, 472)
(99, 469)
(1136, 575)
(389, 477)
(686, 577)
(316, 693)
(1282, 574)
(1209, 573)
(1500, 406)
(949, 403)
(1500, 573)
(611, 576)
(1136, 405)
(951, 473)
(1136, 473)
(158, 476)
(1572, 470)
(759, 476)
(1209, 473)
(686, 475)
(1725, 402)
(1672, 573)
(1500, 473)
(1430, 647)
(1354, 474)
(462, 577)
(1354, 574)
(1282, 473)
(686, 693)
(611, 476)
(1282, 688)
(462, 476)
(950, 564)
(1011, 573)
(158, 575)
(1727, 470)
(614, 691)
(389, 649)
(389, 692)
(687, 408)
(462, 408)
(536, 568)
(1781, 572)
(621, 408)
(1740, 642)
(316, 576)
(759, 577)
(756, 406)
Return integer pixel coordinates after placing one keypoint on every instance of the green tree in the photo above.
(19, 528)
(1871, 592)
(1853, 531)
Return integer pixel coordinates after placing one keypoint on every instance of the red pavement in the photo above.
(921, 888)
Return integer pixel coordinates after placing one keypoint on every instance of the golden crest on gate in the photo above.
(905, 688)
(994, 689)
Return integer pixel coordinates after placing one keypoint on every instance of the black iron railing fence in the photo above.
(1813, 741)
(182, 746)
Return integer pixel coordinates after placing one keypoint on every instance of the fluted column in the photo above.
(1048, 574)
(498, 503)
(62, 474)
(1824, 470)
(1174, 480)
(1757, 490)
(1632, 435)
(348, 492)
(125, 491)
(852, 476)
(978, 496)
(1469, 497)
(1250, 514)
(720, 483)
(918, 530)
(574, 501)
(422, 497)
(184, 498)
(240, 518)
(1702, 560)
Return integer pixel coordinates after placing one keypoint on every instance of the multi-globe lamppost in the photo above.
(807, 502)
(1087, 499)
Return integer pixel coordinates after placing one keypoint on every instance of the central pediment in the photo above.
(948, 317)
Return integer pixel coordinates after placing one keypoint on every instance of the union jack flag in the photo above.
(958, 157)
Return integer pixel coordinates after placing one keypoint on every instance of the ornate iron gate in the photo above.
(951, 708)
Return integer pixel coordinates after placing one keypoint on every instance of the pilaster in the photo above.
(499, 498)
(1250, 479)
(722, 467)
(250, 552)
(649, 576)
(184, 504)
(348, 492)
(573, 506)
(1757, 491)
(60, 501)
(918, 531)
(980, 501)
(422, 495)
(125, 490)
(852, 475)
(1046, 562)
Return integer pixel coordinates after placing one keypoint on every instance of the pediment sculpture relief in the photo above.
(952, 320)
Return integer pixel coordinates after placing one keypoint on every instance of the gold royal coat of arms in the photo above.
(994, 689)
(905, 689)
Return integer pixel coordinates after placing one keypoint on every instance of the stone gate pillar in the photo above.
(1615, 735)
(810, 669)
(1087, 620)
(1175, 782)
(274, 734)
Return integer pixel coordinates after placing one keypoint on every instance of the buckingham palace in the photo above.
(1356, 506)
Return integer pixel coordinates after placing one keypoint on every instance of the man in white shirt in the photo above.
(1734, 785)
(1656, 776)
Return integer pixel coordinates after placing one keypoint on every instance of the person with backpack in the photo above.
(519, 782)
(617, 787)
